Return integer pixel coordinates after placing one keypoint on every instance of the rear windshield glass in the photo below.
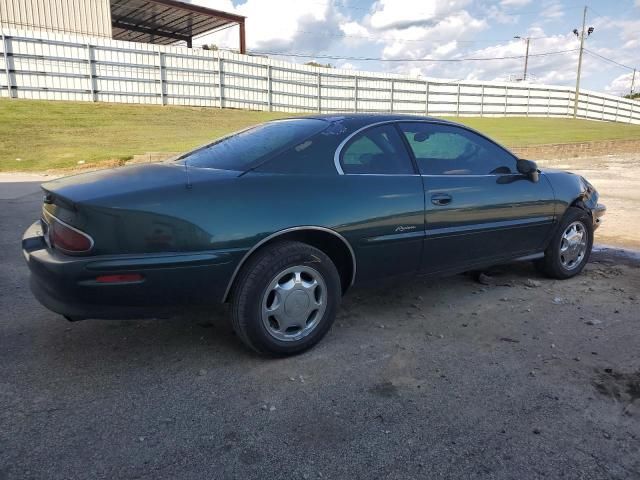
(241, 150)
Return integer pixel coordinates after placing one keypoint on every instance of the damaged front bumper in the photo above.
(597, 212)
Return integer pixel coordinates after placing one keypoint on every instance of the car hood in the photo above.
(135, 178)
(555, 170)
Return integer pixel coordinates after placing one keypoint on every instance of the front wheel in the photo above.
(569, 250)
(285, 299)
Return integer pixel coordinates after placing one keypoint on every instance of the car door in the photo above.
(385, 220)
(478, 208)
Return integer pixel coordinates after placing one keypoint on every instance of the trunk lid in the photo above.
(142, 208)
(89, 187)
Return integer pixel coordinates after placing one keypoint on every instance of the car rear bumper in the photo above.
(170, 281)
(597, 212)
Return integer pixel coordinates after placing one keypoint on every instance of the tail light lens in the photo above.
(67, 238)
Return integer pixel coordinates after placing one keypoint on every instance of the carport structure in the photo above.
(166, 22)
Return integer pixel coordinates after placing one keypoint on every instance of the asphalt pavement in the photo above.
(521, 377)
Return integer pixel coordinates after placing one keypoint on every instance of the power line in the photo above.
(378, 59)
(608, 59)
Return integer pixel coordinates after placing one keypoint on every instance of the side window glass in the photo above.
(377, 150)
(451, 150)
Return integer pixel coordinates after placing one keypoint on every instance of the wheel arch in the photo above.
(579, 203)
(329, 241)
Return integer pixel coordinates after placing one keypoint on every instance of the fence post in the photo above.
(506, 99)
(220, 95)
(92, 88)
(355, 93)
(392, 88)
(615, 118)
(631, 113)
(269, 88)
(162, 100)
(5, 47)
(319, 92)
(481, 100)
(458, 101)
(586, 107)
(426, 101)
(548, 103)
(528, 100)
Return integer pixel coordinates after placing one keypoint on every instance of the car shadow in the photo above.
(198, 334)
(199, 338)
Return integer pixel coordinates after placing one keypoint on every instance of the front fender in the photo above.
(572, 190)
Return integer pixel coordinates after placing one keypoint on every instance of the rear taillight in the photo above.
(67, 238)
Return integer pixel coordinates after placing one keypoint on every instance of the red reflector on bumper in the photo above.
(122, 278)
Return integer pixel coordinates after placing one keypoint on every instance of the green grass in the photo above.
(52, 135)
(518, 132)
(49, 135)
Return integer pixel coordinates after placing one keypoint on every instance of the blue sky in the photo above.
(402, 32)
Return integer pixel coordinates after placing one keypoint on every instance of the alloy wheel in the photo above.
(293, 303)
(573, 245)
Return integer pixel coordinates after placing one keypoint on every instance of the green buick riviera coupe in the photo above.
(281, 219)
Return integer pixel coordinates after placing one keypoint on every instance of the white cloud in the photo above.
(617, 40)
(627, 31)
(445, 49)
(558, 69)
(621, 85)
(515, 3)
(355, 34)
(438, 29)
(310, 25)
(553, 11)
(498, 15)
(402, 14)
(354, 28)
(437, 40)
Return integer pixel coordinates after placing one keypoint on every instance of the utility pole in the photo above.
(526, 56)
(577, 95)
(633, 82)
(526, 61)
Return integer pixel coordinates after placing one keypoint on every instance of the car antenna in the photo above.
(186, 170)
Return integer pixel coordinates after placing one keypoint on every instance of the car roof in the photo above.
(362, 119)
(366, 118)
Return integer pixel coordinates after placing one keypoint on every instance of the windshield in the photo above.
(242, 150)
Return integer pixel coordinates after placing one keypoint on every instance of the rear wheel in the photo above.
(285, 299)
(570, 248)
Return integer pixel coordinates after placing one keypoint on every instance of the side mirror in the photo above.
(528, 168)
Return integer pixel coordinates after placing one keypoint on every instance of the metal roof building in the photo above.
(162, 22)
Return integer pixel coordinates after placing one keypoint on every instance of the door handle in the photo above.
(441, 199)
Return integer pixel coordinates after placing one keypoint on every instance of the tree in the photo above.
(213, 46)
(321, 65)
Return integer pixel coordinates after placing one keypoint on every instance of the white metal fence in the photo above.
(45, 65)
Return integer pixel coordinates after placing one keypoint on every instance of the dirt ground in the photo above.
(617, 179)
(518, 377)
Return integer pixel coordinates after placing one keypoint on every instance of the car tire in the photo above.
(285, 298)
(570, 248)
